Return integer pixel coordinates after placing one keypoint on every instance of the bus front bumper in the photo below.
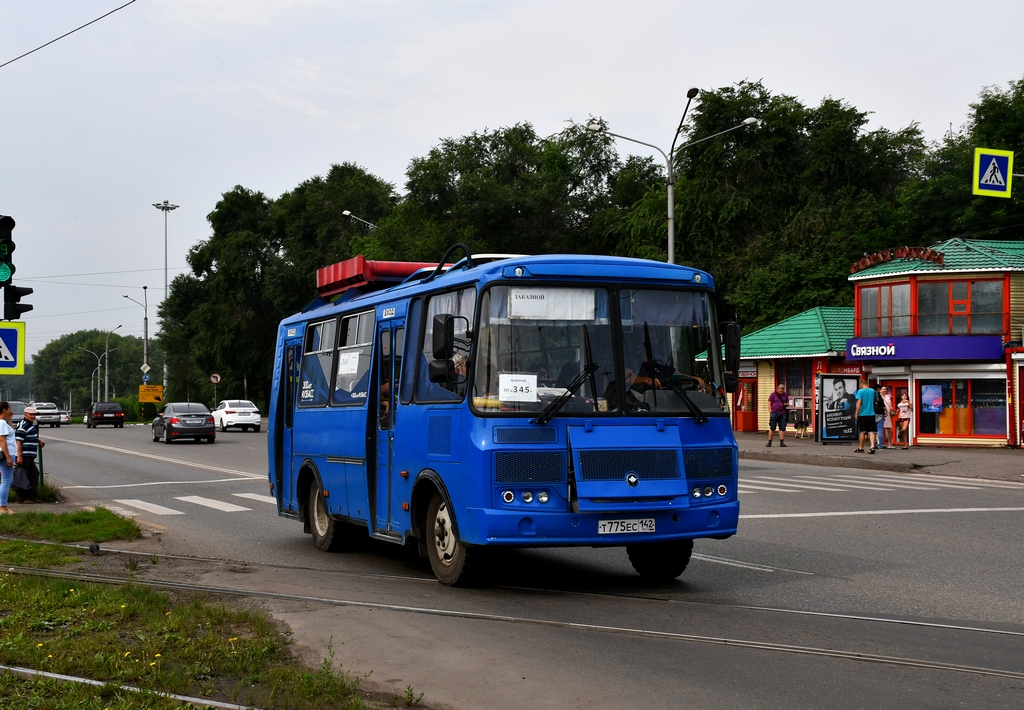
(485, 526)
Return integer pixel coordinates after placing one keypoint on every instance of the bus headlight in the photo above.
(542, 497)
(696, 491)
(708, 491)
(527, 497)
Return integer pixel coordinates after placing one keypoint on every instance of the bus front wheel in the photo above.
(454, 564)
(327, 533)
(660, 561)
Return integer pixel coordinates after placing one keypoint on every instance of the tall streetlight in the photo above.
(145, 326)
(670, 163)
(165, 207)
(98, 360)
(348, 214)
(106, 375)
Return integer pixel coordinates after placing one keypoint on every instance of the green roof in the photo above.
(959, 255)
(818, 331)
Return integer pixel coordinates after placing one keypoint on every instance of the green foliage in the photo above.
(99, 525)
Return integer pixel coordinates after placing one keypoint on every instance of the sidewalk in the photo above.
(1003, 464)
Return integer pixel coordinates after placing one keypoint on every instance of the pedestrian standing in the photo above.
(879, 416)
(905, 408)
(866, 416)
(27, 435)
(889, 442)
(7, 448)
(777, 402)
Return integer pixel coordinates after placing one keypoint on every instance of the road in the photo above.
(844, 588)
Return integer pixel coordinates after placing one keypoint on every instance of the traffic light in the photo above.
(13, 307)
(6, 249)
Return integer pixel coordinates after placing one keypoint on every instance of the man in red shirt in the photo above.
(777, 401)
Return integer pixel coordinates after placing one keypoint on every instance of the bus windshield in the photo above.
(649, 355)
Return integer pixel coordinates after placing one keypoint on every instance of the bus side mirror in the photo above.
(443, 337)
(731, 331)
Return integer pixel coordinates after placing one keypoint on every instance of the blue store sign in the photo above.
(927, 347)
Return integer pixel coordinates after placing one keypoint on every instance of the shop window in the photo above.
(960, 307)
(885, 310)
(962, 407)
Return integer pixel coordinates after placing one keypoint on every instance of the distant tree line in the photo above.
(776, 213)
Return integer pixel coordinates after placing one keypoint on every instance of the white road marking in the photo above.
(962, 482)
(750, 487)
(910, 511)
(211, 503)
(851, 485)
(149, 507)
(161, 483)
(909, 486)
(166, 459)
(770, 480)
(256, 496)
(745, 565)
(932, 483)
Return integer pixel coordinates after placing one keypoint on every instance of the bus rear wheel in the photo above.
(660, 561)
(453, 563)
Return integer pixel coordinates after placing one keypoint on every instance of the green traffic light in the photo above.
(5, 273)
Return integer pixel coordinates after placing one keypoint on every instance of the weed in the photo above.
(153, 559)
(410, 699)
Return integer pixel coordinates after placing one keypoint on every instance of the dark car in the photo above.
(19, 412)
(184, 420)
(105, 413)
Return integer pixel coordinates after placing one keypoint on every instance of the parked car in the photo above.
(19, 412)
(65, 417)
(184, 420)
(236, 412)
(105, 413)
(47, 413)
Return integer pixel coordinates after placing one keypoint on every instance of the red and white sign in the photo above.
(215, 378)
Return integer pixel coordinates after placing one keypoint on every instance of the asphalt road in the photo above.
(845, 588)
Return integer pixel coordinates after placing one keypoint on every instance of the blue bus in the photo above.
(528, 401)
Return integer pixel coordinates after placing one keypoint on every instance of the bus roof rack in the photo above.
(360, 272)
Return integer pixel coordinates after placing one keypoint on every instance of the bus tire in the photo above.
(453, 563)
(660, 561)
(328, 534)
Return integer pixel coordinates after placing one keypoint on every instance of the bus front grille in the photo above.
(530, 467)
(525, 435)
(708, 463)
(616, 464)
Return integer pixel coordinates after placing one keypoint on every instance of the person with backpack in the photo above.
(866, 424)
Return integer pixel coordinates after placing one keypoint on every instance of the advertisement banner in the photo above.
(838, 413)
(931, 399)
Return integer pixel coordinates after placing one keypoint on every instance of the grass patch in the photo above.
(32, 554)
(188, 644)
(99, 525)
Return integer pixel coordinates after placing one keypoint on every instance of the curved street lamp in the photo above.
(670, 162)
(348, 214)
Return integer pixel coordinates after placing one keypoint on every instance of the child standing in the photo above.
(905, 408)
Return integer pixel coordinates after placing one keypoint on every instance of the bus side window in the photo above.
(352, 380)
(410, 355)
(457, 303)
(317, 361)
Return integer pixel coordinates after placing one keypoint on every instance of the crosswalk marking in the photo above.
(148, 507)
(973, 482)
(257, 496)
(851, 485)
(901, 484)
(745, 487)
(211, 503)
(786, 482)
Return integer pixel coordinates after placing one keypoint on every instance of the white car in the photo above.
(47, 413)
(238, 413)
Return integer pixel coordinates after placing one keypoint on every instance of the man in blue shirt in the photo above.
(27, 436)
(866, 415)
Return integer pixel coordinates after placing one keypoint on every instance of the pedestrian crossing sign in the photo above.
(12, 348)
(993, 172)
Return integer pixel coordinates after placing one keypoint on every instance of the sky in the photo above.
(182, 100)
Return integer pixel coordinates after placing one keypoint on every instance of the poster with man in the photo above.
(839, 407)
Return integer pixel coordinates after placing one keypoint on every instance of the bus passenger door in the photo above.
(284, 474)
(391, 344)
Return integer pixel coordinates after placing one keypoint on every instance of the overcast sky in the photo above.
(181, 100)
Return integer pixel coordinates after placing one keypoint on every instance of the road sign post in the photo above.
(993, 172)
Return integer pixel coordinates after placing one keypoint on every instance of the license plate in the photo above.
(193, 421)
(108, 415)
(618, 527)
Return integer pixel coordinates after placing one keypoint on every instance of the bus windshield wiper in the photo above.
(698, 414)
(558, 402)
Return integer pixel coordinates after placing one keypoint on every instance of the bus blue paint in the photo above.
(361, 441)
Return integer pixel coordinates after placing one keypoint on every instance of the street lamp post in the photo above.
(145, 323)
(670, 164)
(106, 375)
(348, 214)
(165, 207)
(98, 360)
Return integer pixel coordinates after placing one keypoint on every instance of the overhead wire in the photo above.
(21, 56)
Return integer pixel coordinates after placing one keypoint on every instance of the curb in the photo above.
(874, 463)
